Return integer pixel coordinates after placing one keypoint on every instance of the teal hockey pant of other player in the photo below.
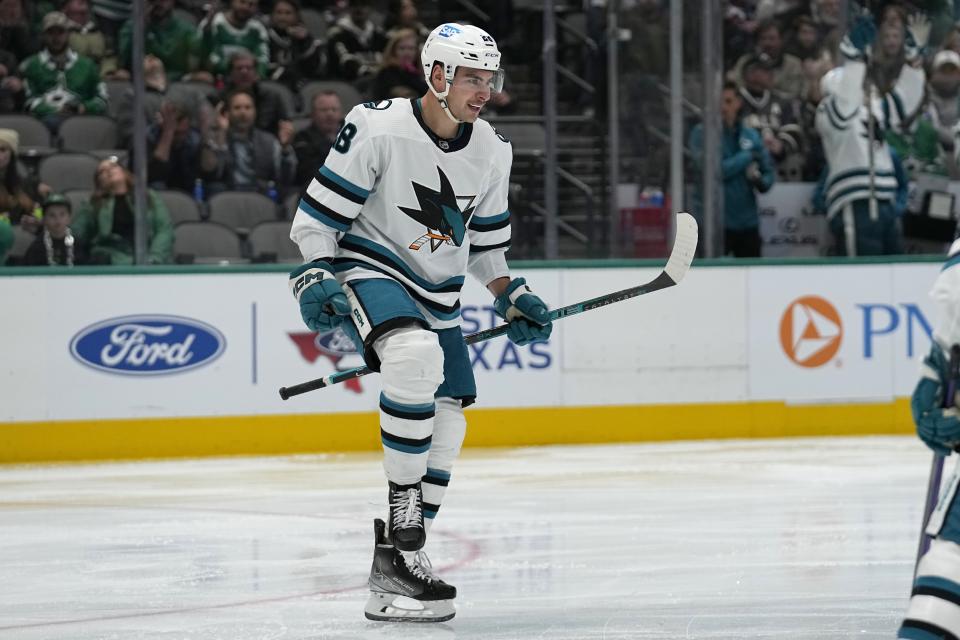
(427, 379)
(870, 237)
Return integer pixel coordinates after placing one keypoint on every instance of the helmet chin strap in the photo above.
(442, 99)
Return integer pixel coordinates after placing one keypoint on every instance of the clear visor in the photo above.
(479, 80)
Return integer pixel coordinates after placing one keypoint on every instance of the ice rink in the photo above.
(800, 538)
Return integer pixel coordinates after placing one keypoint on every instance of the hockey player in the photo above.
(933, 613)
(861, 188)
(412, 196)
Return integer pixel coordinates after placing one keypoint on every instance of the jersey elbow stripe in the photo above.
(406, 445)
(480, 248)
(322, 213)
(490, 224)
(341, 186)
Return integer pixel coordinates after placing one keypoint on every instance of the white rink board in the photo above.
(714, 338)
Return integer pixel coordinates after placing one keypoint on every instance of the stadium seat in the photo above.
(115, 94)
(34, 136)
(78, 198)
(181, 206)
(21, 242)
(206, 243)
(66, 171)
(315, 23)
(242, 210)
(86, 133)
(270, 242)
(528, 139)
(349, 96)
(289, 100)
(290, 204)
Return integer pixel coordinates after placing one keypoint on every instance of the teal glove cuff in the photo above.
(322, 301)
(527, 315)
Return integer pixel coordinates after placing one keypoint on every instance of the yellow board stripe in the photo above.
(280, 434)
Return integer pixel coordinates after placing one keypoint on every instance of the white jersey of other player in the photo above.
(946, 293)
(403, 203)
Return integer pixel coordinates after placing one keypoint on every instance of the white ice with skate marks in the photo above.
(800, 539)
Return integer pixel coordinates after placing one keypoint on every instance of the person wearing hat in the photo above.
(59, 82)
(55, 245)
(786, 69)
(16, 199)
(943, 97)
(775, 118)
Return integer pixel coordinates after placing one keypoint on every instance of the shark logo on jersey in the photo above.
(440, 212)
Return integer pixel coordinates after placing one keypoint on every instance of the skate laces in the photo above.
(419, 565)
(406, 506)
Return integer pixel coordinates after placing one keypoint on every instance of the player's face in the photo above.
(469, 92)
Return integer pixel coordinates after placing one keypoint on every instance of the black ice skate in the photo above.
(404, 589)
(406, 516)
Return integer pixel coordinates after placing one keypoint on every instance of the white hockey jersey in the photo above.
(946, 293)
(393, 200)
(843, 126)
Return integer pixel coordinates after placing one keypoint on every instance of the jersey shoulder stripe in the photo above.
(341, 186)
(322, 213)
(490, 223)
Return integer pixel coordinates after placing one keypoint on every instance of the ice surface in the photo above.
(799, 538)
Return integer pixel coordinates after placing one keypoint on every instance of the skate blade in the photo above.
(388, 607)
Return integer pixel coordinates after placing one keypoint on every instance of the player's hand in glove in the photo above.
(862, 34)
(937, 426)
(323, 304)
(527, 315)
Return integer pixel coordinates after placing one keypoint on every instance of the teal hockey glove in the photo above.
(323, 304)
(862, 34)
(527, 315)
(937, 426)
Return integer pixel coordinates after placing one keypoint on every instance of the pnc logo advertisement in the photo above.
(810, 331)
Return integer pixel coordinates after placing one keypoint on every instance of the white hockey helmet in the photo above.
(458, 45)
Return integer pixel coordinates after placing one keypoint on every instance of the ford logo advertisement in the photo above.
(147, 345)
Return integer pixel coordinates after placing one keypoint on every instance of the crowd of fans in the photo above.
(778, 53)
(223, 85)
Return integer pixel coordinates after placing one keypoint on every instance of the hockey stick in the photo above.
(684, 246)
(936, 466)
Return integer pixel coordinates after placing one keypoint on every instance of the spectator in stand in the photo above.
(87, 40)
(156, 91)
(951, 40)
(295, 55)
(243, 75)
(58, 82)
(787, 69)
(105, 224)
(355, 44)
(943, 95)
(6, 239)
(110, 15)
(402, 14)
(15, 30)
(773, 117)
(739, 27)
(313, 143)
(826, 16)
(747, 170)
(173, 150)
(55, 245)
(863, 191)
(401, 75)
(814, 160)
(172, 40)
(224, 32)
(805, 42)
(238, 156)
(17, 202)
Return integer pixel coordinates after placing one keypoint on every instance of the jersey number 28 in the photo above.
(345, 138)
